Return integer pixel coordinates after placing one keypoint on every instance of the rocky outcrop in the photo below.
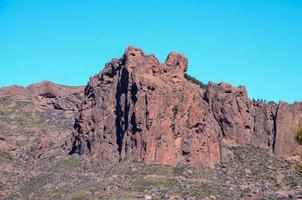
(47, 93)
(242, 121)
(268, 125)
(288, 121)
(140, 109)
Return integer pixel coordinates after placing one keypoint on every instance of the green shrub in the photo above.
(5, 156)
(298, 137)
(65, 165)
(196, 81)
(79, 195)
(6, 101)
(298, 167)
(148, 183)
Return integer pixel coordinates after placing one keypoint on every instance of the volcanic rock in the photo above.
(48, 94)
(139, 109)
(288, 121)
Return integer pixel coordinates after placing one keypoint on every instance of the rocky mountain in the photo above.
(142, 129)
(140, 109)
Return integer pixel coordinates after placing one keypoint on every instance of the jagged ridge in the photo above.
(140, 109)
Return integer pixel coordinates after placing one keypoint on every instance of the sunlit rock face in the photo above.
(138, 109)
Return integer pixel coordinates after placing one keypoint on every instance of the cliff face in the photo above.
(242, 121)
(288, 121)
(140, 109)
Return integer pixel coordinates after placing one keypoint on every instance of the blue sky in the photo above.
(256, 43)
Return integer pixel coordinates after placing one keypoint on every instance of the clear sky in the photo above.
(256, 43)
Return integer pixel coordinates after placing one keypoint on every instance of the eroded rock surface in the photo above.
(288, 121)
(67, 98)
(140, 109)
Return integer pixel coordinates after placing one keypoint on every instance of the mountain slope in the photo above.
(141, 129)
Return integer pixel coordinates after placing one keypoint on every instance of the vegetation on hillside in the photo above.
(196, 81)
(250, 173)
(298, 139)
(38, 170)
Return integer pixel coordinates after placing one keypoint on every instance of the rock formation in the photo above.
(48, 94)
(288, 121)
(140, 109)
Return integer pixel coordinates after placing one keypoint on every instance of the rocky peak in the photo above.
(136, 61)
(178, 61)
(133, 53)
(143, 110)
(136, 58)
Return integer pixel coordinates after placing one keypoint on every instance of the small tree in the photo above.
(298, 138)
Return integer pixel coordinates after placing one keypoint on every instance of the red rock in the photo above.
(143, 110)
(139, 109)
(288, 122)
(47, 93)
